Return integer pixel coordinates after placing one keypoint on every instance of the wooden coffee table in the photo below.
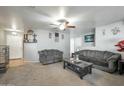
(82, 68)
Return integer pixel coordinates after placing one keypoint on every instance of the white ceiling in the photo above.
(41, 16)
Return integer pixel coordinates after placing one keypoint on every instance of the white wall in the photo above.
(108, 41)
(79, 42)
(31, 50)
(2, 37)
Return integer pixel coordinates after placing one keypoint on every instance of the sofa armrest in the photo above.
(112, 65)
(39, 52)
(114, 58)
(112, 62)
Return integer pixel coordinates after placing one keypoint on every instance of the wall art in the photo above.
(103, 32)
(62, 36)
(115, 30)
(56, 37)
(89, 38)
(50, 35)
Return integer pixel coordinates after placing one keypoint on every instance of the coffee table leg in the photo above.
(81, 77)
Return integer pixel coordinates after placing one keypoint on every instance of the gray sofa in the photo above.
(50, 56)
(103, 60)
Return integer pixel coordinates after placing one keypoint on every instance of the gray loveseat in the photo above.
(50, 56)
(103, 60)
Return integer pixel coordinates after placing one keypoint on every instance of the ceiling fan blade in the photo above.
(71, 26)
(55, 28)
(54, 25)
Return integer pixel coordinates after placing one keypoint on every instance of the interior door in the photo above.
(16, 45)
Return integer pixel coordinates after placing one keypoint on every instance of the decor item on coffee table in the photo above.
(103, 60)
(82, 68)
(4, 58)
(121, 66)
(50, 56)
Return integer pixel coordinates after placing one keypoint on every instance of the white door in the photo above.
(16, 46)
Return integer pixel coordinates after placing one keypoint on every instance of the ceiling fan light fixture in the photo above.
(14, 33)
(62, 27)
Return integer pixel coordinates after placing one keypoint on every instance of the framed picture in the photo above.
(56, 37)
(115, 30)
(89, 38)
(104, 32)
(62, 36)
(50, 35)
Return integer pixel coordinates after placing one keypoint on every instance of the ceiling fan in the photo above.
(62, 25)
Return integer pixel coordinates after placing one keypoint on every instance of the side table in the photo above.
(121, 66)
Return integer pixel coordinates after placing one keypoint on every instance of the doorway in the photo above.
(15, 42)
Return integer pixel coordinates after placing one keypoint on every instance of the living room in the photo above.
(61, 32)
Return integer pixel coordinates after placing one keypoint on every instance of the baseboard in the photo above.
(35, 61)
(16, 59)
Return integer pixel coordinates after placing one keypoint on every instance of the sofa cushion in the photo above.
(92, 53)
(84, 52)
(50, 57)
(45, 52)
(101, 62)
(97, 61)
(85, 58)
(99, 55)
